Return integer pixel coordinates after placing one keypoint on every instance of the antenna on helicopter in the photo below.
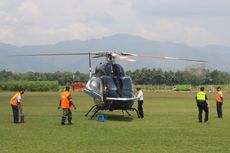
(90, 66)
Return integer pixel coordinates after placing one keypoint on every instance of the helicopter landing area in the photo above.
(170, 125)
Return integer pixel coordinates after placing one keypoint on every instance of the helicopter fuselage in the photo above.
(111, 88)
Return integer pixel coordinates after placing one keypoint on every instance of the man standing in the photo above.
(219, 102)
(16, 105)
(140, 100)
(65, 103)
(202, 104)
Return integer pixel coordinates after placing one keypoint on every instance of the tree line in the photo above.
(62, 77)
(29, 85)
(193, 76)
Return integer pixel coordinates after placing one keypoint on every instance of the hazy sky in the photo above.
(195, 22)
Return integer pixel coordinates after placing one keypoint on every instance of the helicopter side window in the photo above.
(100, 70)
(95, 85)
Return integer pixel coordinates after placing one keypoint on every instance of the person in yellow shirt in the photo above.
(16, 105)
(219, 102)
(65, 103)
(202, 104)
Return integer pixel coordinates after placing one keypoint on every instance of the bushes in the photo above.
(183, 87)
(29, 85)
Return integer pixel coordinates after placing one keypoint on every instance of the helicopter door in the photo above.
(94, 88)
(110, 89)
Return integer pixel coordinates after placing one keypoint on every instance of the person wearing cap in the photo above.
(16, 105)
(65, 103)
(140, 100)
(219, 102)
(202, 104)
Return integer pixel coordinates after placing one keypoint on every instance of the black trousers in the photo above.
(66, 113)
(140, 108)
(219, 109)
(15, 113)
(202, 106)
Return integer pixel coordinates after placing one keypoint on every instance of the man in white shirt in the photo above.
(140, 100)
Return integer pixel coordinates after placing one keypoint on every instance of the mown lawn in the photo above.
(170, 126)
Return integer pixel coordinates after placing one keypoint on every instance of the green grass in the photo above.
(170, 126)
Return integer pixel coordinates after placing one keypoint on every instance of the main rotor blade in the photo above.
(121, 55)
(97, 56)
(124, 57)
(127, 54)
(56, 54)
(171, 58)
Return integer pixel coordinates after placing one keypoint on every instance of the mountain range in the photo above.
(215, 55)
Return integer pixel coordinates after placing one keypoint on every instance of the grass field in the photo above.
(170, 126)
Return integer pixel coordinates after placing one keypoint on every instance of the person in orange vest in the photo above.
(65, 103)
(16, 105)
(202, 104)
(219, 102)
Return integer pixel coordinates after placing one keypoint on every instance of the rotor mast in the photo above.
(110, 58)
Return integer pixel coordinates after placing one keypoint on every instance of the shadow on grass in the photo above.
(114, 117)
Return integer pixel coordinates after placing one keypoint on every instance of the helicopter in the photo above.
(109, 86)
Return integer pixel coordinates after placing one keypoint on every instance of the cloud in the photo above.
(173, 31)
(28, 11)
(40, 21)
(84, 31)
(52, 34)
(182, 8)
(6, 33)
(2, 3)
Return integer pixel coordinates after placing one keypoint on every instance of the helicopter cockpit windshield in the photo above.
(127, 83)
(109, 83)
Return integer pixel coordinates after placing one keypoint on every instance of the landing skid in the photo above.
(132, 109)
(126, 112)
(96, 108)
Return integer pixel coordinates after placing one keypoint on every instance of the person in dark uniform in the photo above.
(202, 104)
(140, 100)
(219, 102)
